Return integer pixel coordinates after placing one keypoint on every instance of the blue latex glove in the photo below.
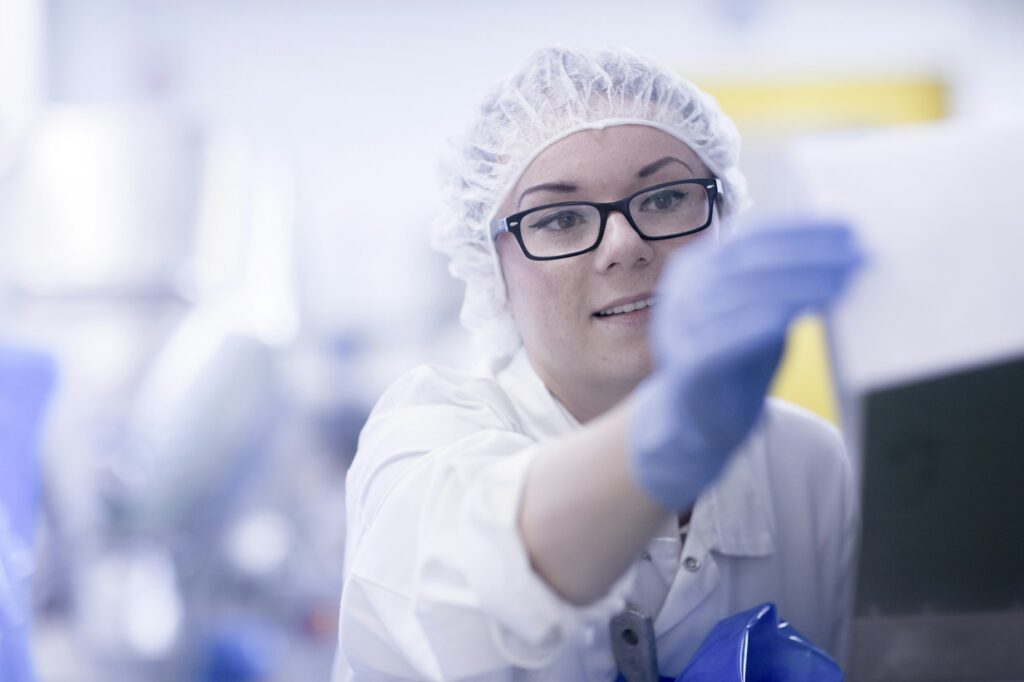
(717, 335)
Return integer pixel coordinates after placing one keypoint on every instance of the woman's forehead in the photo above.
(596, 154)
(611, 157)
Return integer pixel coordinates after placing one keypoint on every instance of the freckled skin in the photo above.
(591, 364)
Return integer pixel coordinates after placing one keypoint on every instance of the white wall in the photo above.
(361, 96)
(21, 72)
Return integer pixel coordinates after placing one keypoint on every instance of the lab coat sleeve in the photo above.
(439, 584)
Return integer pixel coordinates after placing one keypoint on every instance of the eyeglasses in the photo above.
(571, 228)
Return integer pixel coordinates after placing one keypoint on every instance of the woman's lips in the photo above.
(626, 307)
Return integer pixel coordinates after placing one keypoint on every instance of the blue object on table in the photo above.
(26, 380)
(755, 646)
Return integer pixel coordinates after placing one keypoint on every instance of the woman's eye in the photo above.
(563, 220)
(664, 200)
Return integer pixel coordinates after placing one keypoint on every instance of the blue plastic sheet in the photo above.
(26, 379)
(755, 646)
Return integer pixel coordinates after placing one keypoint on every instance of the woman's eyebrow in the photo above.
(660, 163)
(563, 187)
(567, 187)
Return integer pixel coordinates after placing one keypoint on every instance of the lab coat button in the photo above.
(691, 564)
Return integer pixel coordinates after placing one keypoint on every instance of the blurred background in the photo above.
(214, 216)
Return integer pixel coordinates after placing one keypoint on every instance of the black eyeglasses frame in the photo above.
(513, 223)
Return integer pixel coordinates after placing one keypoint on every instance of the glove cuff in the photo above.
(668, 457)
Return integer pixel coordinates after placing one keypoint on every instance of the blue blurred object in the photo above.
(15, 665)
(243, 652)
(26, 379)
(754, 646)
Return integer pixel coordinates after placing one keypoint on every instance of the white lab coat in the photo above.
(438, 584)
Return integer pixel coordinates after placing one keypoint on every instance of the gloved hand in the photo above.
(717, 334)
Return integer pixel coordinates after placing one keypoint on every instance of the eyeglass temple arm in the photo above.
(498, 226)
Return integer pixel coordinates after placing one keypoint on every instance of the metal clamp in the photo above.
(633, 645)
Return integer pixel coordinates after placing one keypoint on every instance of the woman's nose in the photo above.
(622, 245)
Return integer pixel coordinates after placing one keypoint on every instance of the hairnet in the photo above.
(557, 92)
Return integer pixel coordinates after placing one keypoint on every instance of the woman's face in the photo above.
(591, 362)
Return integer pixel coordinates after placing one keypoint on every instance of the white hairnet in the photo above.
(557, 92)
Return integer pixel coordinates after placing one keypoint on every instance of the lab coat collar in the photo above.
(541, 412)
(732, 516)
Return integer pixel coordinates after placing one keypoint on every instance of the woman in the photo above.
(617, 447)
